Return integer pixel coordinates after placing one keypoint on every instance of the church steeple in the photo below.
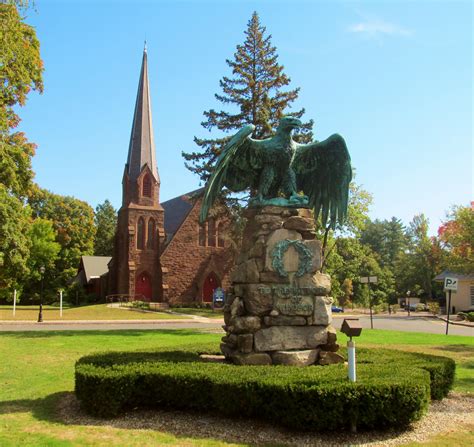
(141, 150)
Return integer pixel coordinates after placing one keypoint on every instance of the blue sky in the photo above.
(394, 78)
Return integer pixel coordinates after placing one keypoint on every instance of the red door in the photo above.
(210, 284)
(143, 286)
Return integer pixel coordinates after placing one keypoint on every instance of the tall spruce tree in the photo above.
(254, 93)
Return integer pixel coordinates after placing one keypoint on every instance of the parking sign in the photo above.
(451, 284)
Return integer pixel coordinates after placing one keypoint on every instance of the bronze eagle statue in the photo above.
(278, 169)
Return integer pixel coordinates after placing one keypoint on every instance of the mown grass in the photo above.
(37, 370)
(91, 312)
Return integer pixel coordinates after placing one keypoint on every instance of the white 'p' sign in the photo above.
(450, 284)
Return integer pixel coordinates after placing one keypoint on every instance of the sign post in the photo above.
(218, 298)
(14, 302)
(367, 280)
(450, 284)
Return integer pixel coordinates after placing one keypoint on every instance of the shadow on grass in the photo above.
(95, 333)
(468, 365)
(465, 383)
(42, 408)
(63, 408)
(468, 349)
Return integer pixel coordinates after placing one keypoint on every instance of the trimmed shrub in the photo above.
(315, 398)
(467, 316)
(441, 369)
(434, 308)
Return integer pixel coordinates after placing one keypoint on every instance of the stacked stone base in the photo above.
(279, 313)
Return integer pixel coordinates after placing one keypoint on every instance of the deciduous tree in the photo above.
(457, 239)
(14, 243)
(357, 217)
(21, 71)
(44, 249)
(73, 221)
(417, 266)
(105, 220)
(44, 252)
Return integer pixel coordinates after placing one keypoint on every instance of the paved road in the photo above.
(429, 325)
(399, 323)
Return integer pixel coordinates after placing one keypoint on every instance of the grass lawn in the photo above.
(92, 312)
(208, 313)
(37, 371)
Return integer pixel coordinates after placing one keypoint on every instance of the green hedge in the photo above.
(316, 398)
(441, 369)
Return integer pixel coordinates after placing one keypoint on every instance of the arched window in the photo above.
(220, 235)
(211, 233)
(141, 234)
(202, 235)
(150, 243)
(146, 187)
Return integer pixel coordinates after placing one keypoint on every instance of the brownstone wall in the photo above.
(186, 264)
(130, 261)
(132, 190)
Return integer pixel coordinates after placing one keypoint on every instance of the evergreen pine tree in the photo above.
(254, 93)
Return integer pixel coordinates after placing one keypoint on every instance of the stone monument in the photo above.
(278, 310)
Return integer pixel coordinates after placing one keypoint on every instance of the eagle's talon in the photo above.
(294, 198)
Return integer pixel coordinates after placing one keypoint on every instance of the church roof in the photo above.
(141, 150)
(176, 211)
(94, 266)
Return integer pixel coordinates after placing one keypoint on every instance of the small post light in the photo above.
(352, 328)
(408, 302)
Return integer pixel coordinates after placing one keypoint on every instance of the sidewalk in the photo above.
(191, 319)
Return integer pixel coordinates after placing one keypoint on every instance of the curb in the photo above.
(456, 323)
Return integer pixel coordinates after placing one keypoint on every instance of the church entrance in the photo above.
(143, 286)
(210, 284)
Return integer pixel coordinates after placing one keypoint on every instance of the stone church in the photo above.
(161, 252)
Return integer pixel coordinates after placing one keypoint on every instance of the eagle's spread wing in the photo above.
(237, 168)
(323, 172)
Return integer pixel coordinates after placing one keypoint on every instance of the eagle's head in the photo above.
(288, 123)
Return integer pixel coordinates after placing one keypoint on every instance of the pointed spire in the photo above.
(142, 144)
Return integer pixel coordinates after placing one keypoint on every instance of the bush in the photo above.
(383, 307)
(468, 316)
(140, 305)
(395, 308)
(420, 307)
(433, 307)
(316, 398)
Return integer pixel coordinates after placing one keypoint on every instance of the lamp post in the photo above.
(408, 302)
(40, 315)
(368, 280)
